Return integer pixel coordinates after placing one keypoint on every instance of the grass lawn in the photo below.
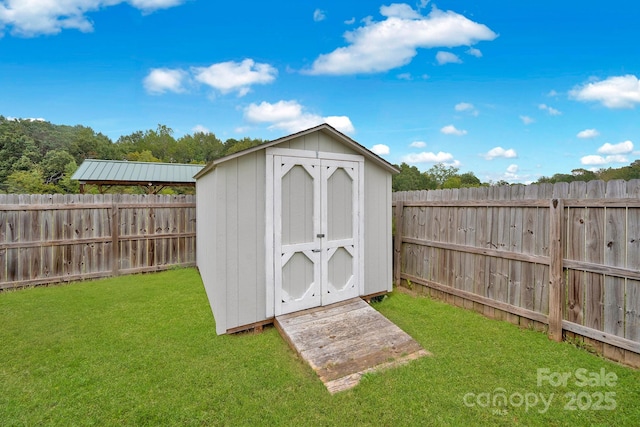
(142, 350)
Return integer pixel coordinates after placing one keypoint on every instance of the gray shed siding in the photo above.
(378, 270)
(231, 231)
(232, 263)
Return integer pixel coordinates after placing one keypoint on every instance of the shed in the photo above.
(299, 222)
(150, 175)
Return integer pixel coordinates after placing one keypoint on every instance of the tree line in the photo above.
(440, 176)
(40, 157)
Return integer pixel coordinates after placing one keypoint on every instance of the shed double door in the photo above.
(316, 231)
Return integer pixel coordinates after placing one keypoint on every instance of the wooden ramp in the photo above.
(344, 341)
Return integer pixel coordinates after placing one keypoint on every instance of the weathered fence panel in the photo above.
(60, 238)
(566, 256)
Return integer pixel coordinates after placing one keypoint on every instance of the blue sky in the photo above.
(508, 90)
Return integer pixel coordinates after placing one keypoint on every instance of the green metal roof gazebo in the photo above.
(152, 176)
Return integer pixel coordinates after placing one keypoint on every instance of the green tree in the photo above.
(28, 182)
(17, 152)
(469, 179)
(66, 184)
(584, 175)
(452, 182)
(439, 173)
(86, 144)
(409, 179)
(233, 145)
(144, 156)
(55, 164)
(209, 147)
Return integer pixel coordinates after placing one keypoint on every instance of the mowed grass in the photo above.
(142, 350)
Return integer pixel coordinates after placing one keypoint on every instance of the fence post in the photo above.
(397, 242)
(115, 236)
(556, 282)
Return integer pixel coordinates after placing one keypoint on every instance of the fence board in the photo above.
(541, 293)
(515, 245)
(54, 238)
(614, 255)
(632, 312)
(502, 243)
(470, 240)
(575, 246)
(529, 217)
(481, 239)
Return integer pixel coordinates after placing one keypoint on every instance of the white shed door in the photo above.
(316, 232)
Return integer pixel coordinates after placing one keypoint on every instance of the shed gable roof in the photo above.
(325, 128)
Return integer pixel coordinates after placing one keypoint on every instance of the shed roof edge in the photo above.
(324, 128)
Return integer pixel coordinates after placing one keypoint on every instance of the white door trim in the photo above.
(272, 230)
(281, 166)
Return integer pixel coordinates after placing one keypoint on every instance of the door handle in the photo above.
(320, 235)
(316, 250)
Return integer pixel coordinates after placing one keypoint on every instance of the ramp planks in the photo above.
(343, 341)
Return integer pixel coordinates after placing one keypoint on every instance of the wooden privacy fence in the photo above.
(59, 238)
(563, 256)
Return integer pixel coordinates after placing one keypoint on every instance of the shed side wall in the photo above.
(209, 261)
(239, 264)
(378, 270)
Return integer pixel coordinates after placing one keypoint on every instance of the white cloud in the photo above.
(291, 117)
(278, 112)
(511, 173)
(418, 144)
(319, 15)
(447, 58)
(552, 111)
(405, 76)
(350, 21)
(36, 17)
(393, 42)
(200, 129)
(150, 5)
(588, 133)
(613, 153)
(399, 10)
(526, 120)
(451, 130)
(380, 149)
(29, 119)
(475, 52)
(161, 80)
(594, 160)
(499, 152)
(552, 93)
(614, 92)
(367, 20)
(341, 123)
(463, 106)
(625, 147)
(224, 76)
(235, 76)
(429, 157)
